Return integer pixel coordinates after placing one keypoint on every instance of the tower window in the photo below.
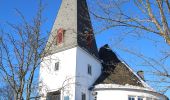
(89, 69)
(88, 33)
(89, 39)
(83, 96)
(56, 67)
(60, 36)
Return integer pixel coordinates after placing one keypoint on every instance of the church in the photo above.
(74, 69)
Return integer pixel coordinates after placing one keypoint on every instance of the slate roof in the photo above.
(114, 71)
(73, 17)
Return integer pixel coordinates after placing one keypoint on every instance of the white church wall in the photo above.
(73, 70)
(83, 78)
(64, 77)
(116, 94)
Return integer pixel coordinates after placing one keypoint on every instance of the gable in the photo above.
(114, 71)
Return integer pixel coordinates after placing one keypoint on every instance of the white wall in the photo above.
(84, 79)
(54, 80)
(123, 94)
(73, 66)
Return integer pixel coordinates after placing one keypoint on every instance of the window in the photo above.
(140, 98)
(94, 95)
(66, 97)
(156, 99)
(89, 36)
(131, 98)
(89, 69)
(147, 98)
(59, 37)
(53, 95)
(56, 66)
(83, 96)
(89, 39)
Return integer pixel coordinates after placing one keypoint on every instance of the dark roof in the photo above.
(114, 71)
(85, 34)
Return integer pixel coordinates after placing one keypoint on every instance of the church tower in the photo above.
(72, 28)
(71, 64)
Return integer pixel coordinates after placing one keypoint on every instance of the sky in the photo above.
(117, 38)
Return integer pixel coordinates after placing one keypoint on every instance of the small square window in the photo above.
(140, 98)
(155, 99)
(53, 95)
(66, 97)
(89, 69)
(131, 98)
(56, 67)
(148, 98)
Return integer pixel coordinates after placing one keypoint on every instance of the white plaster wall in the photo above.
(72, 72)
(83, 79)
(65, 76)
(123, 94)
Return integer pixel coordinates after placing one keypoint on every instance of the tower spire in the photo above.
(72, 28)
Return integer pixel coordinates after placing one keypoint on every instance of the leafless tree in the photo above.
(6, 92)
(149, 15)
(21, 52)
(156, 69)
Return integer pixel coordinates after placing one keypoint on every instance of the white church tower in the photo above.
(73, 68)
(72, 64)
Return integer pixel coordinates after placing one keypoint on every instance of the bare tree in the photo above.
(149, 15)
(6, 92)
(21, 52)
(155, 68)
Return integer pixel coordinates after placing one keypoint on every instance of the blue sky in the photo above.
(115, 37)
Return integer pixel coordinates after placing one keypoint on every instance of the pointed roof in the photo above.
(74, 19)
(115, 71)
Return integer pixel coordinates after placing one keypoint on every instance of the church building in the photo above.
(74, 69)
